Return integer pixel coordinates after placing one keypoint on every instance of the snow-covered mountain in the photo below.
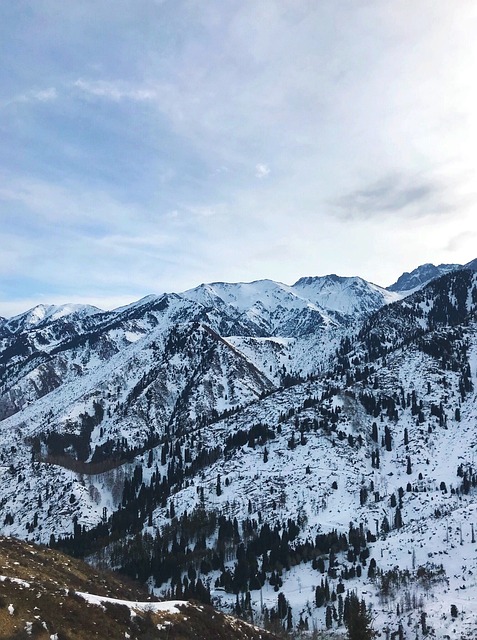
(284, 444)
(349, 297)
(42, 315)
(414, 280)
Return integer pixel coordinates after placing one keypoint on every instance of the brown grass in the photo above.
(50, 604)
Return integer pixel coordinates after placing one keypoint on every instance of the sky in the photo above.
(152, 145)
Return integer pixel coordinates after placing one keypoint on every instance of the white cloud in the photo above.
(45, 95)
(115, 91)
(35, 95)
(262, 170)
(66, 204)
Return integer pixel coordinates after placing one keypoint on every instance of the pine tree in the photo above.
(282, 606)
(372, 569)
(398, 518)
(340, 610)
(374, 432)
(329, 617)
(357, 618)
(289, 620)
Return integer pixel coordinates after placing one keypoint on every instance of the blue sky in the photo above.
(151, 145)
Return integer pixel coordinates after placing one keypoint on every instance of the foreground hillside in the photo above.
(45, 594)
(249, 447)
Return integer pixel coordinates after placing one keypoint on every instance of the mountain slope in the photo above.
(132, 355)
(45, 594)
(349, 297)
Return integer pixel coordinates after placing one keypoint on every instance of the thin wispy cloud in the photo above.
(115, 91)
(459, 240)
(35, 95)
(396, 195)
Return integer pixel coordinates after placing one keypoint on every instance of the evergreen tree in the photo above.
(374, 432)
(319, 596)
(340, 610)
(398, 518)
(282, 606)
(329, 617)
(363, 495)
(357, 618)
(289, 620)
(372, 569)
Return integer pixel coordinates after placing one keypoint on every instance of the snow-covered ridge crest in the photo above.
(346, 295)
(44, 314)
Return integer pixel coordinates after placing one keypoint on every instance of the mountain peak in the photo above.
(309, 280)
(420, 276)
(42, 314)
(471, 265)
(346, 295)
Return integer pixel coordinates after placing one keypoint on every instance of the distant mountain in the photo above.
(266, 307)
(411, 281)
(472, 265)
(42, 315)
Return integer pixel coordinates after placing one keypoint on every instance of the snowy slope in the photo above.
(346, 296)
(275, 308)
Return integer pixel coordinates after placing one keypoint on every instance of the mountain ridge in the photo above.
(69, 308)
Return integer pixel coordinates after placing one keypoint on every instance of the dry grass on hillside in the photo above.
(38, 601)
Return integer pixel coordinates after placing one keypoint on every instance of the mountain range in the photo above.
(273, 450)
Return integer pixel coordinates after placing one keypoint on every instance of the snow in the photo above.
(347, 296)
(22, 583)
(171, 606)
(49, 313)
